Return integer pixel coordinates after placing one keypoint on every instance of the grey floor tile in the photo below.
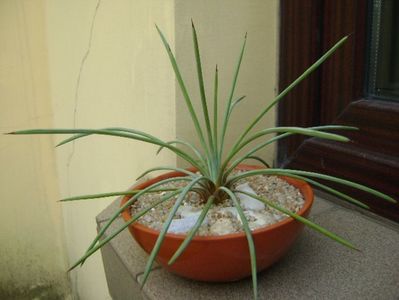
(166, 286)
(315, 268)
(320, 205)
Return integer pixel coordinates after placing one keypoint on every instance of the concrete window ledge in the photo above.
(315, 268)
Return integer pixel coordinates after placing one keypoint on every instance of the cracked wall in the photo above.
(74, 64)
(108, 68)
(95, 64)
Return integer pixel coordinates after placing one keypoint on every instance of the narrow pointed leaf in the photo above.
(202, 87)
(183, 90)
(234, 164)
(111, 194)
(128, 135)
(215, 109)
(201, 159)
(332, 191)
(344, 182)
(165, 228)
(288, 172)
(248, 233)
(292, 85)
(257, 158)
(228, 105)
(298, 130)
(120, 129)
(93, 249)
(303, 220)
(167, 169)
(288, 130)
(235, 103)
(187, 144)
(193, 231)
(130, 202)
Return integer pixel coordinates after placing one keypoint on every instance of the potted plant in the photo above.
(215, 178)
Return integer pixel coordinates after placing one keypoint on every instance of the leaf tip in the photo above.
(159, 30)
(71, 268)
(345, 139)
(343, 40)
(144, 281)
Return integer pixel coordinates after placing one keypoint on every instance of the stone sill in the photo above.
(315, 268)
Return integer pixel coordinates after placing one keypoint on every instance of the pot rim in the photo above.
(303, 186)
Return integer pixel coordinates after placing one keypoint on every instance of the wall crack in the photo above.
(77, 86)
(74, 277)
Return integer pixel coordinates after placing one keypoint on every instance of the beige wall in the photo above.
(221, 26)
(97, 64)
(125, 80)
(107, 69)
(32, 255)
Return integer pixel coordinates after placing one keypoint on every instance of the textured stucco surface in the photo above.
(32, 255)
(95, 64)
(108, 69)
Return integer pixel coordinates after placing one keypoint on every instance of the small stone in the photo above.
(258, 220)
(187, 210)
(248, 202)
(222, 226)
(184, 225)
(278, 217)
(223, 217)
(230, 210)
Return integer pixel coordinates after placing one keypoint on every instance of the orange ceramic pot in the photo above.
(222, 258)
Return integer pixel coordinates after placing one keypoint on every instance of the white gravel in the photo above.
(223, 218)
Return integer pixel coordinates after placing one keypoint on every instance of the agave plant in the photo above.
(214, 179)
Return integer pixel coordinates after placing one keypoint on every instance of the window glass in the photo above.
(383, 73)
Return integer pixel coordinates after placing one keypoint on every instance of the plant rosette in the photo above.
(224, 257)
(238, 254)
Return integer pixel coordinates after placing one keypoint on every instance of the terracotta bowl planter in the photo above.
(223, 258)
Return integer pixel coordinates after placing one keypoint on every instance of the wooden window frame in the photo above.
(335, 93)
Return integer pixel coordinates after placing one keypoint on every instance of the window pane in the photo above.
(384, 50)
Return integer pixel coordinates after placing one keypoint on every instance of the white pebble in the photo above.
(248, 202)
(261, 219)
(231, 210)
(187, 210)
(184, 224)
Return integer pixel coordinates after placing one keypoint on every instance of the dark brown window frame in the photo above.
(335, 93)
